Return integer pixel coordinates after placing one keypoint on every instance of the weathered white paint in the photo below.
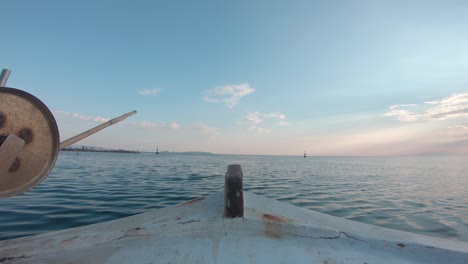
(196, 232)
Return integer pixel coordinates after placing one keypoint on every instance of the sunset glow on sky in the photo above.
(248, 77)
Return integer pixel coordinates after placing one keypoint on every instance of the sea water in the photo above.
(424, 195)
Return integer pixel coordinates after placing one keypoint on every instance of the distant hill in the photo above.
(96, 149)
(194, 153)
(82, 148)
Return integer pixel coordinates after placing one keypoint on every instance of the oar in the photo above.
(4, 77)
(91, 131)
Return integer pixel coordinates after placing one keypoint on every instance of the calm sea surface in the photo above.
(425, 195)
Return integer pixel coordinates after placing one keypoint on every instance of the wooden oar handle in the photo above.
(4, 77)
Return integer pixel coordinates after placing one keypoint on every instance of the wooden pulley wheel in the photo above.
(29, 141)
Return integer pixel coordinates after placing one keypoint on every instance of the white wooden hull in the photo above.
(196, 232)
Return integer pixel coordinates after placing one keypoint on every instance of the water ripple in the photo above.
(425, 195)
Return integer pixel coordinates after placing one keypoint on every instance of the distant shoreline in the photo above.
(100, 150)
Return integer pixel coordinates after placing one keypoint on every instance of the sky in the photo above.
(331, 78)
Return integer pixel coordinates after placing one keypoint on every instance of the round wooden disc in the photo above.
(27, 117)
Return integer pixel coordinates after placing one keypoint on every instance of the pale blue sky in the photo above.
(248, 77)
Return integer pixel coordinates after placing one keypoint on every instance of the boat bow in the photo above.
(197, 232)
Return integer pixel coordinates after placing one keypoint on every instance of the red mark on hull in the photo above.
(274, 218)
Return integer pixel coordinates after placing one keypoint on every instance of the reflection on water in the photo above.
(425, 195)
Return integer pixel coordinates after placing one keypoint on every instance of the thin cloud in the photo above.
(459, 131)
(402, 105)
(213, 131)
(98, 119)
(275, 117)
(148, 92)
(253, 118)
(260, 130)
(228, 94)
(279, 117)
(263, 123)
(404, 115)
(150, 124)
(197, 126)
(452, 100)
(452, 106)
(459, 128)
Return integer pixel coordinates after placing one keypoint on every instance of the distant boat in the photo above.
(305, 155)
(157, 151)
